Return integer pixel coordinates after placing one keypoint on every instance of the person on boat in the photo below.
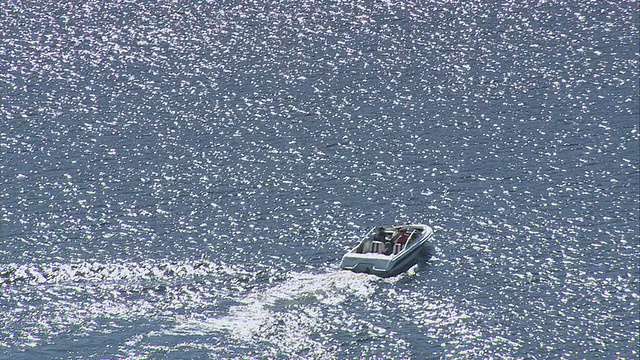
(378, 242)
(380, 236)
(401, 237)
(368, 244)
(388, 247)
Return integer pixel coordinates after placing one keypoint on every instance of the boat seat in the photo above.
(377, 247)
(366, 247)
(397, 248)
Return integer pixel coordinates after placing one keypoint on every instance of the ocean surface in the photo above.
(180, 179)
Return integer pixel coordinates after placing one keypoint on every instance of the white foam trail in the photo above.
(59, 273)
(279, 313)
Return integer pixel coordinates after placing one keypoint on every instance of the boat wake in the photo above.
(287, 313)
(60, 273)
(86, 293)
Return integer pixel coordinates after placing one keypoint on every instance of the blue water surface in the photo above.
(180, 179)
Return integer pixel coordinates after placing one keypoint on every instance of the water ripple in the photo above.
(180, 179)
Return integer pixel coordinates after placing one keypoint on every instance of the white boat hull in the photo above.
(389, 265)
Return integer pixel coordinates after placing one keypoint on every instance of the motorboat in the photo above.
(390, 250)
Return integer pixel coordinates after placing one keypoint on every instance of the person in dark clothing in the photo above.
(388, 247)
(380, 236)
(369, 245)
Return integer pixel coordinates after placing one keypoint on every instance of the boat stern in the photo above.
(369, 263)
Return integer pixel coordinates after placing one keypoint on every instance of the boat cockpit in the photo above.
(388, 241)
